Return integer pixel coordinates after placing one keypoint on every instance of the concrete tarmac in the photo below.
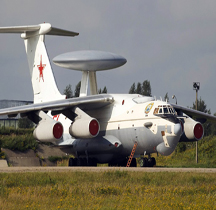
(103, 169)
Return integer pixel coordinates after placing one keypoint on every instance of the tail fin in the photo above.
(43, 81)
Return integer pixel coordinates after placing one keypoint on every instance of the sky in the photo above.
(170, 43)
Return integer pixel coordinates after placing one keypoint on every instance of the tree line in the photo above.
(69, 92)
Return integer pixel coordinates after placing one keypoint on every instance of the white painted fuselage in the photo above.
(129, 119)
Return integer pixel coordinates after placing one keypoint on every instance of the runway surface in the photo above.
(103, 169)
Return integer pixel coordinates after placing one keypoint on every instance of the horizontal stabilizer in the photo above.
(41, 29)
(61, 32)
(19, 29)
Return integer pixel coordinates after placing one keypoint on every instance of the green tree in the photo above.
(102, 91)
(68, 91)
(77, 89)
(201, 106)
(132, 89)
(139, 88)
(143, 89)
(166, 97)
(146, 88)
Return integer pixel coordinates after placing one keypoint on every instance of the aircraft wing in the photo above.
(200, 116)
(85, 103)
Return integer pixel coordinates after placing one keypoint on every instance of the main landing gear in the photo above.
(144, 162)
(82, 162)
(147, 162)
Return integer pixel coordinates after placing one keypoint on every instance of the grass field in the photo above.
(186, 158)
(116, 189)
(107, 190)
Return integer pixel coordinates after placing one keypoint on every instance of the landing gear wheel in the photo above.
(150, 163)
(143, 162)
(92, 162)
(153, 161)
(72, 162)
(81, 162)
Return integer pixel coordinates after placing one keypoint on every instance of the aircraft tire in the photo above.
(143, 162)
(72, 162)
(92, 162)
(153, 161)
(150, 163)
(81, 162)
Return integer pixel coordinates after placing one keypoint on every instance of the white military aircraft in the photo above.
(98, 128)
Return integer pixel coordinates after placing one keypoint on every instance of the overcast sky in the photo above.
(170, 43)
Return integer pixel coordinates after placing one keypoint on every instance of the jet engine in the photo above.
(84, 128)
(193, 131)
(48, 131)
(83, 125)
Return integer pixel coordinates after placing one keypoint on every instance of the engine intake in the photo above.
(193, 130)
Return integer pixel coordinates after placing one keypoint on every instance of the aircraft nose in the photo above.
(170, 141)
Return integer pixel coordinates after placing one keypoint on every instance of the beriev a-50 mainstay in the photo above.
(98, 128)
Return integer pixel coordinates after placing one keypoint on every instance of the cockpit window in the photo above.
(164, 110)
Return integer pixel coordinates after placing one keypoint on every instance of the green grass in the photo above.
(17, 139)
(107, 190)
(187, 158)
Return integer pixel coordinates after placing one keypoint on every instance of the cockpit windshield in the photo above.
(164, 110)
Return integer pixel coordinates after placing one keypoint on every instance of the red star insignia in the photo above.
(41, 68)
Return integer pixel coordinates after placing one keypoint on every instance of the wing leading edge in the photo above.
(201, 116)
(85, 103)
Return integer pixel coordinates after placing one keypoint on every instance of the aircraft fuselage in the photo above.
(130, 119)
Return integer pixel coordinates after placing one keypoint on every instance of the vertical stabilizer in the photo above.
(43, 82)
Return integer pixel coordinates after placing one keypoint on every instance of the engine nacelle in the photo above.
(48, 131)
(84, 128)
(193, 130)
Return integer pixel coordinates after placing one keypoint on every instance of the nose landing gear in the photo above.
(147, 162)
